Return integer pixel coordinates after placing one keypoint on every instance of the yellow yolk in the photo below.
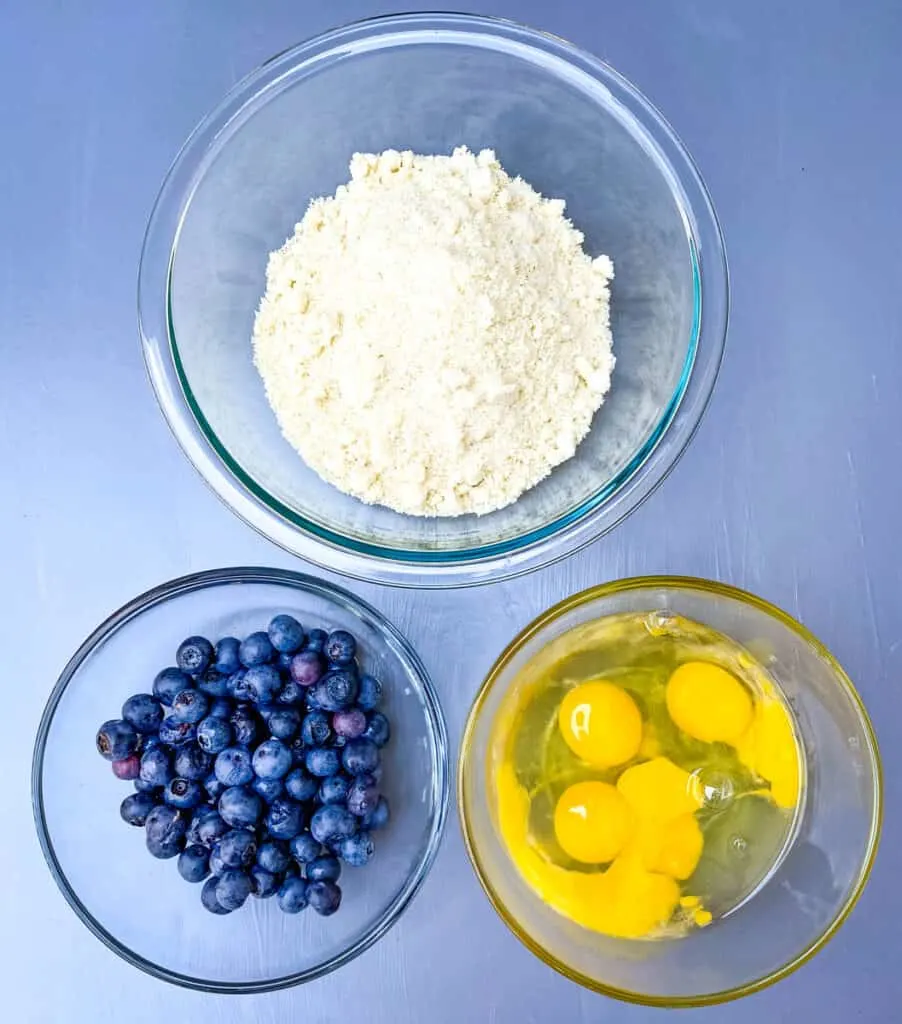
(659, 791)
(601, 724)
(592, 822)
(769, 749)
(708, 703)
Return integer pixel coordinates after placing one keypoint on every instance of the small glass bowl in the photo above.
(140, 907)
(560, 118)
(814, 887)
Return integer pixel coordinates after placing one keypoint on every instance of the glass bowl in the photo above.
(140, 907)
(560, 118)
(813, 888)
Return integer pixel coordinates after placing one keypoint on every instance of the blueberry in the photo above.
(284, 723)
(334, 790)
(168, 683)
(268, 789)
(190, 706)
(116, 740)
(211, 828)
(286, 634)
(214, 734)
(237, 849)
(192, 837)
(240, 807)
(183, 794)
(378, 729)
(262, 683)
(192, 763)
(291, 693)
(307, 668)
(285, 818)
(360, 756)
(336, 690)
(264, 883)
(135, 808)
(174, 732)
(273, 857)
(233, 766)
(144, 787)
(304, 848)
(255, 650)
(226, 655)
(214, 683)
(323, 869)
(194, 655)
(332, 822)
(128, 768)
(265, 711)
(233, 889)
(378, 817)
(350, 723)
(358, 849)
(165, 830)
(369, 693)
(300, 786)
(324, 897)
(323, 761)
(363, 796)
(208, 897)
(150, 743)
(156, 768)
(238, 688)
(293, 895)
(245, 725)
(143, 712)
(194, 863)
(316, 729)
(272, 759)
(340, 647)
(213, 786)
(316, 640)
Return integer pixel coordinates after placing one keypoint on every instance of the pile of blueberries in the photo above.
(257, 763)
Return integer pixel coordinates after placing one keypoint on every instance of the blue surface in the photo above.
(790, 489)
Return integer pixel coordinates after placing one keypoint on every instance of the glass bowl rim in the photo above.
(538, 546)
(717, 589)
(435, 722)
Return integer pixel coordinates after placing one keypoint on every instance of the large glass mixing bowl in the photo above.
(564, 121)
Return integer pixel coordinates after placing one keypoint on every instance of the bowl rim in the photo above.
(725, 590)
(435, 722)
(571, 530)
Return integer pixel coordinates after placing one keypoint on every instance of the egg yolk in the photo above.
(592, 822)
(769, 749)
(601, 724)
(659, 790)
(708, 703)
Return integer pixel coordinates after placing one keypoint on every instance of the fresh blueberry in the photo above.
(332, 822)
(378, 729)
(284, 723)
(307, 668)
(208, 897)
(233, 889)
(226, 655)
(135, 808)
(192, 837)
(378, 817)
(168, 683)
(356, 850)
(150, 743)
(334, 790)
(363, 796)
(191, 762)
(369, 693)
(286, 634)
(156, 768)
(269, 789)
(316, 640)
(194, 655)
(285, 818)
(238, 688)
(255, 650)
(323, 869)
(174, 732)
(324, 897)
(350, 723)
(214, 683)
(336, 690)
(194, 863)
(211, 828)
(340, 647)
(272, 759)
(237, 849)
(300, 786)
(143, 712)
(128, 768)
(291, 693)
(360, 756)
(264, 883)
(213, 786)
(183, 794)
(117, 740)
(144, 787)
(293, 895)
(316, 729)
(304, 848)
(245, 725)
(323, 761)
(222, 707)
(190, 706)
(273, 857)
(262, 683)
(240, 807)
(165, 830)
(233, 766)
(214, 734)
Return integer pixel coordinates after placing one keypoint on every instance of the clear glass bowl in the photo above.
(140, 907)
(562, 119)
(812, 890)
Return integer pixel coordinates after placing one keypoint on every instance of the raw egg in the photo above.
(708, 703)
(592, 822)
(601, 724)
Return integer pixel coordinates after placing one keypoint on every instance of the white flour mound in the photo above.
(433, 338)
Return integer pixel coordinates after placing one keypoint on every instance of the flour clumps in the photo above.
(433, 337)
